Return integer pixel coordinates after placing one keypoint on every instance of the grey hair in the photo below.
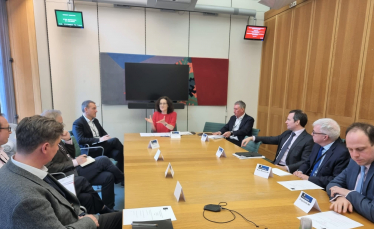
(328, 126)
(86, 103)
(241, 104)
(51, 114)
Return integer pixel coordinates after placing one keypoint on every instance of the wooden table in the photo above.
(207, 179)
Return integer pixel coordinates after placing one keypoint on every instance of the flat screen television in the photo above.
(149, 82)
(255, 32)
(70, 19)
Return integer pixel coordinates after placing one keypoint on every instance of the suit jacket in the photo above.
(29, 202)
(299, 151)
(61, 162)
(362, 203)
(245, 128)
(335, 161)
(82, 131)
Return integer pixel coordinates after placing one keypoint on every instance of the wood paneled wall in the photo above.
(24, 53)
(318, 57)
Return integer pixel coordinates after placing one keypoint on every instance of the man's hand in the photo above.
(245, 141)
(338, 190)
(104, 138)
(91, 217)
(341, 205)
(216, 133)
(81, 159)
(226, 134)
(65, 136)
(282, 167)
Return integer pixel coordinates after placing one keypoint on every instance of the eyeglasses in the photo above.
(163, 104)
(7, 128)
(317, 133)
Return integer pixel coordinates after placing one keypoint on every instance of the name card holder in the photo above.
(220, 152)
(263, 171)
(178, 192)
(175, 135)
(204, 138)
(306, 202)
(153, 144)
(158, 156)
(169, 168)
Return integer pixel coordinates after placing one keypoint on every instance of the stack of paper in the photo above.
(147, 214)
(332, 220)
(298, 185)
(154, 134)
(215, 136)
(68, 183)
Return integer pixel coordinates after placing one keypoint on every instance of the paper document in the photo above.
(89, 161)
(245, 157)
(215, 136)
(147, 214)
(146, 135)
(185, 133)
(68, 183)
(332, 220)
(154, 134)
(298, 185)
(280, 172)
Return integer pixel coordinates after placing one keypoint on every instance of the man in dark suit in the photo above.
(294, 145)
(87, 130)
(101, 172)
(32, 198)
(329, 155)
(239, 125)
(353, 189)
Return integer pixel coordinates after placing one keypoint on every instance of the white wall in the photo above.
(74, 57)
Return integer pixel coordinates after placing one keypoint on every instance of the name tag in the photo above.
(178, 192)
(175, 134)
(306, 202)
(153, 144)
(220, 152)
(263, 171)
(169, 168)
(158, 156)
(204, 138)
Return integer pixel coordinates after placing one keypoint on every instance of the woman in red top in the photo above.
(164, 118)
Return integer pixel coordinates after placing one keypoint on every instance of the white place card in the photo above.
(158, 156)
(204, 138)
(178, 192)
(306, 202)
(153, 144)
(220, 152)
(169, 168)
(175, 135)
(263, 171)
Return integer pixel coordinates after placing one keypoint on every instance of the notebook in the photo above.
(248, 155)
(161, 224)
(89, 161)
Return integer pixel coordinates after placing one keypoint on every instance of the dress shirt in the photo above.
(297, 134)
(325, 148)
(95, 131)
(3, 157)
(41, 173)
(236, 126)
(359, 175)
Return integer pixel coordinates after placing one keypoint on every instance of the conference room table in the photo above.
(207, 179)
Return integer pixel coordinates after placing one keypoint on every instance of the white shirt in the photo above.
(297, 134)
(236, 126)
(41, 173)
(95, 131)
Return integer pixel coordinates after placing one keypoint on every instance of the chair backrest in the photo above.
(252, 146)
(213, 126)
(255, 131)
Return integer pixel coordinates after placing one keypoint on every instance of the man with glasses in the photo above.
(294, 145)
(353, 189)
(5, 131)
(329, 155)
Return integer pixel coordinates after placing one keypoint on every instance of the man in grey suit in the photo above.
(294, 145)
(353, 189)
(32, 198)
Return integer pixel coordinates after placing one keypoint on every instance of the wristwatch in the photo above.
(232, 132)
(165, 124)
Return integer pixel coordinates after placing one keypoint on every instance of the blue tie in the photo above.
(360, 182)
(318, 163)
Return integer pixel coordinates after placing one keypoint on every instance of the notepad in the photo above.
(163, 224)
(89, 161)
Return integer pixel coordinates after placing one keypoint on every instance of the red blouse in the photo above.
(169, 119)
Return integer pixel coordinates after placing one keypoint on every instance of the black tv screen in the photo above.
(151, 81)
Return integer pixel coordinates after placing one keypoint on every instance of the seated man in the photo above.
(353, 189)
(329, 155)
(87, 130)
(101, 172)
(5, 131)
(239, 125)
(294, 145)
(32, 198)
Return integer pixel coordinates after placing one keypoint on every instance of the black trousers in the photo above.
(87, 196)
(113, 148)
(103, 172)
(238, 143)
(111, 221)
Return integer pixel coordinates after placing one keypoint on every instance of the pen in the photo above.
(144, 224)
